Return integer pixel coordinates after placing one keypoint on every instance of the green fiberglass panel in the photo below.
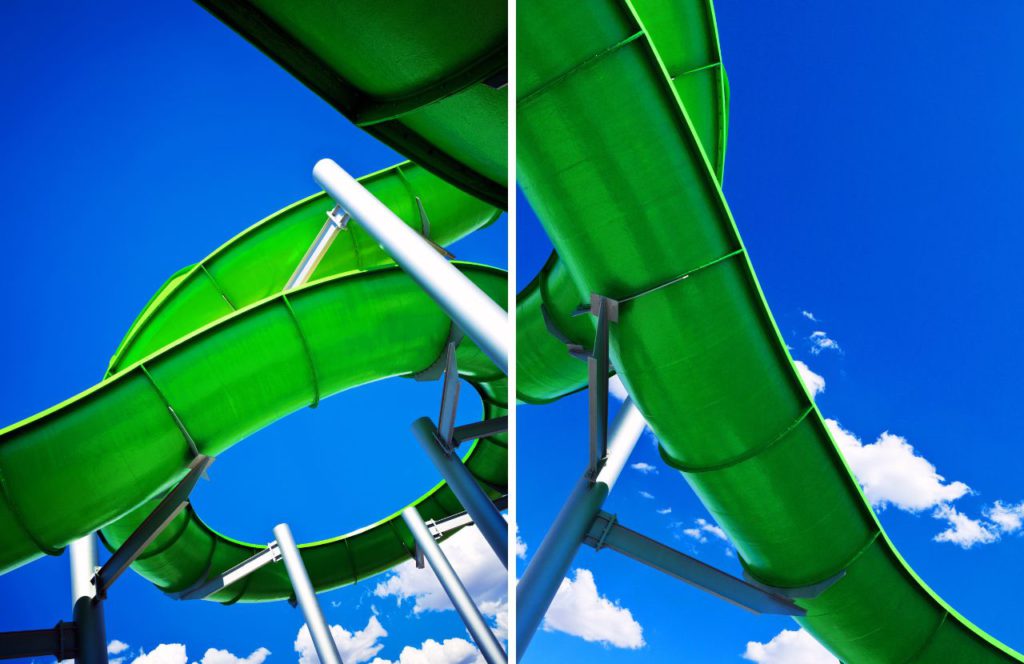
(621, 133)
(426, 78)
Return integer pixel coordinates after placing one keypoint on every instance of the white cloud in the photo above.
(165, 653)
(647, 494)
(702, 528)
(1008, 518)
(789, 647)
(809, 315)
(820, 341)
(664, 510)
(450, 651)
(644, 468)
(474, 562)
(815, 384)
(892, 473)
(579, 610)
(116, 647)
(354, 648)
(215, 656)
(963, 531)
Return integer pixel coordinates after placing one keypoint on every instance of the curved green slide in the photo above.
(625, 91)
(220, 351)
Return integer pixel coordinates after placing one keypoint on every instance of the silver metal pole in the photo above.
(478, 315)
(326, 649)
(87, 610)
(457, 593)
(539, 583)
(476, 503)
(315, 253)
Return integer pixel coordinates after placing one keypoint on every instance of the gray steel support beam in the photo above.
(489, 646)
(481, 429)
(59, 641)
(87, 609)
(305, 596)
(482, 319)
(549, 565)
(148, 530)
(473, 498)
(606, 533)
(243, 569)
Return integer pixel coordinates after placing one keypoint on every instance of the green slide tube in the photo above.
(271, 354)
(427, 78)
(641, 218)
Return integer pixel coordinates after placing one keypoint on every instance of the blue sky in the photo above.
(872, 170)
(136, 138)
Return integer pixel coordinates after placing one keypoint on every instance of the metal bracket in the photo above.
(60, 641)
(800, 592)
(339, 217)
(606, 533)
(425, 231)
(150, 528)
(598, 367)
(449, 401)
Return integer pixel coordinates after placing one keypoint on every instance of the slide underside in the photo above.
(614, 103)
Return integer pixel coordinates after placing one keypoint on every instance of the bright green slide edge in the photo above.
(640, 217)
(219, 353)
(425, 78)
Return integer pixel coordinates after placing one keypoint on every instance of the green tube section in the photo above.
(640, 217)
(218, 354)
(427, 78)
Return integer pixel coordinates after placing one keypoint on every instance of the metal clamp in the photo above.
(339, 217)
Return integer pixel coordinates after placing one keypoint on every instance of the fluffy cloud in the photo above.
(215, 656)
(963, 531)
(354, 648)
(644, 468)
(450, 651)
(579, 610)
(815, 384)
(664, 510)
(789, 647)
(176, 653)
(809, 315)
(820, 341)
(476, 565)
(702, 528)
(892, 473)
(1007, 518)
(165, 653)
(647, 494)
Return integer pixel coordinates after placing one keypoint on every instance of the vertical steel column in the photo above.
(87, 610)
(457, 593)
(539, 583)
(478, 315)
(485, 515)
(306, 596)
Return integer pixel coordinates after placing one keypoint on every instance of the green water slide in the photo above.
(220, 351)
(621, 121)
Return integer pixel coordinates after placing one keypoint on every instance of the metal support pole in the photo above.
(336, 220)
(478, 315)
(91, 637)
(485, 515)
(326, 649)
(457, 593)
(539, 583)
